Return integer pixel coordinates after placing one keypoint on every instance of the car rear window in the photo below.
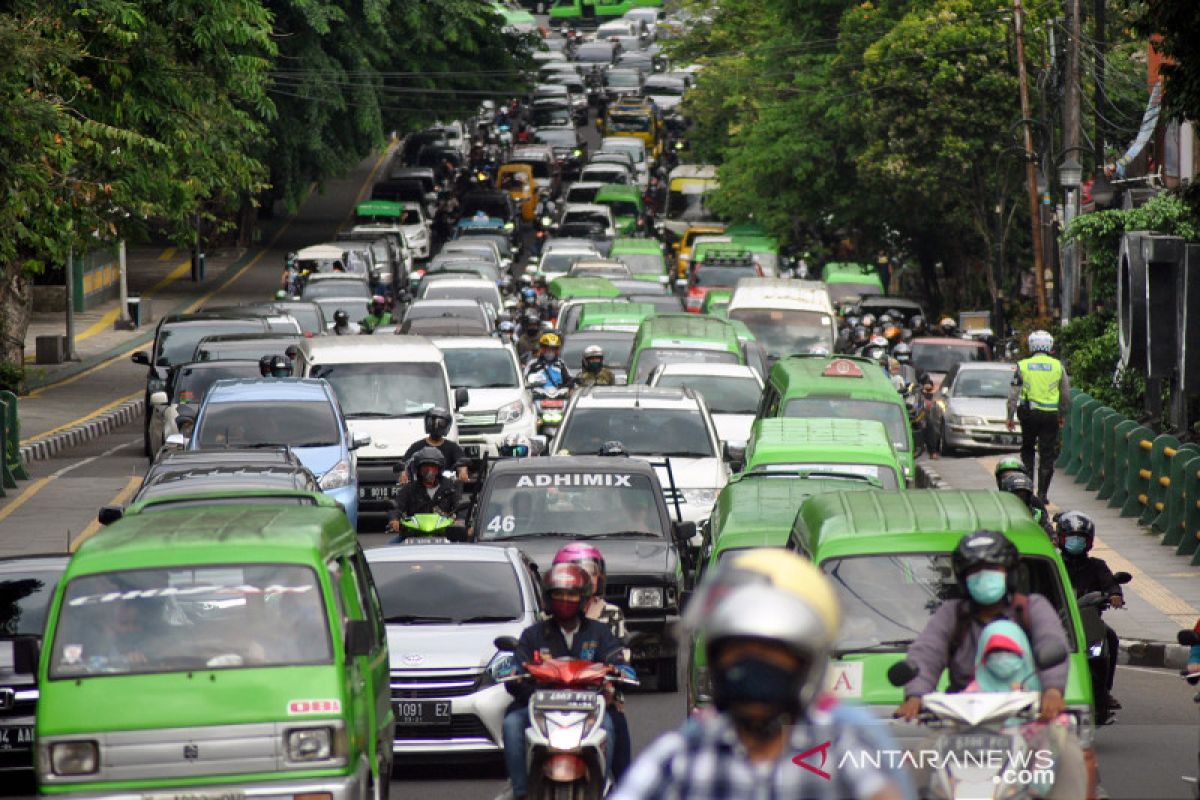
(450, 592)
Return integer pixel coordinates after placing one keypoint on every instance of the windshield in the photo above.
(581, 194)
(643, 431)
(557, 138)
(561, 262)
(355, 307)
(338, 288)
(941, 357)
(886, 477)
(387, 389)
(627, 123)
(480, 294)
(576, 503)
(887, 600)
(182, 619)
(177, 342)
(306, 316)
(486, 368)
(447, 591)
(723, 394)
(617, 349)
(707, 275)
(24, 601)
(690, 203)
(892, 415)
(643, 263)
(585, 217)
(622, 208)
(490, 206)
(551, 115)
(783, 333)
(985, 383)
(848, 292)
(668, 89)
(652, 357)
(303, 423)
(606, 175)
(541, 169)
(191, 384)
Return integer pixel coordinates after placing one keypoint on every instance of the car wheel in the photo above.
(668, 675)
(943, 442)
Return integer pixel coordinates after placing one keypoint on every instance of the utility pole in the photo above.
(1071, 88)
(1035, 214)
(70, 355)
(1101, 47)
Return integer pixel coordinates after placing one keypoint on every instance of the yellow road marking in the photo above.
(25, 496)
(105, 323)
(167, 254)
(83, 419)
(1150, 590)
(181, 269)
(119, 499)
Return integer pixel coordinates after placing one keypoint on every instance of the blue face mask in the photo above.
(1075, 544)
(1005, 666)
(987, 586)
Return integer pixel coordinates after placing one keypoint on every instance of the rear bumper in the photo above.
(477, 727)
(346, 787)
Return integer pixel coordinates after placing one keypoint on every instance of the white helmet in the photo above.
(1040, 342)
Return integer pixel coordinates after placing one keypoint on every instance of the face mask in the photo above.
(429, 476)
(1005, 666)
(1075, 545)
(593, 366)
(986, 586)
(751, 680)
(563, 609)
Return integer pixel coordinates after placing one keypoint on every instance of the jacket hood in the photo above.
(1007, 636)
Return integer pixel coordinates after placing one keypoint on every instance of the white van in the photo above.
(384, 384)
(786, 316)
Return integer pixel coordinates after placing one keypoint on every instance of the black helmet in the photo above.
(902, 353)
(280, 367)
(1076, 523)
(264, 366)
(340, 317)
(437, 422)
(1017, 482)
(860, 335)
(852, 322)
(1007, 465)
(612, 449)
(428, 455)
(982, 549)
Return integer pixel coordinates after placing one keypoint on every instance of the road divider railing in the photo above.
(12, 468)
(1148, 475)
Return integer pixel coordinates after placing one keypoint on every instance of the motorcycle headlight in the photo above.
(74, 758)
(309, 744)
(646, 597)
(337, 477)
(700, 497)
(510, 413)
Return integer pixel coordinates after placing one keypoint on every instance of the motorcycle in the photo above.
(1091, 606)
(549, 402)
(430, 528)
(990, 744)
(566, 746)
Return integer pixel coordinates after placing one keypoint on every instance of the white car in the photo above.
(590, 214)
(444, 605)
(415, 225)
(731, 391)
(582, 192)
(608, 172)
(557, 257)
(479, 289)
(480, 248)
(499, 403)
(634, 147)
(663, 426)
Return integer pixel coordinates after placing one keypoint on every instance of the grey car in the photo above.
(969, 411)
(444, 605)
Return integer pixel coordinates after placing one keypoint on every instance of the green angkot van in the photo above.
(566, 288)
(615, 316)
(626, 204)
(888, 556)
(846, 387)
(849, 282)
(235, 651)
(644, 257)
(690, 338)
(852, 449)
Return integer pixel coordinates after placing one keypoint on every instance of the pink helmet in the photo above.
(586, 556)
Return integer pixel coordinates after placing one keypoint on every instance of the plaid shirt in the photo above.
(705, 761)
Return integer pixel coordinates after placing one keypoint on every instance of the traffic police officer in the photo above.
(1039, 397)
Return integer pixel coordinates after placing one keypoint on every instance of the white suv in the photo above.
(657, 425)
(499, 403)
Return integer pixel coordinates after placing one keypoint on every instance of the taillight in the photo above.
(695, 299)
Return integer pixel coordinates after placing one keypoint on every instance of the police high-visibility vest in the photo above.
(1041, 380)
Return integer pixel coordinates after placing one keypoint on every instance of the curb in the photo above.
(50, 446)
(1162, 655)
(928, 478)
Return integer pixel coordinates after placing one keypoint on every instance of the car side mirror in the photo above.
(109, 514)
(176, 441)
(538, 444)
(26, 651)
(461, 398)
(358, 638)
(505, 644)
(1050, 655)
(358, 440)
(901, 673)
(141, 357)
(158, 399)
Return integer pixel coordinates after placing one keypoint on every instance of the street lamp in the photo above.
(1070, 173)
(1070, 177)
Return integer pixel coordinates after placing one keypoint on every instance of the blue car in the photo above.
(300, 413)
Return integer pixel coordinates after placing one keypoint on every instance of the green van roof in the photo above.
(566, 287)
(622, 313)
(617, 191)
(632, 245)
(805, 375)
(682, 327)
(853, 523)
(216, 535)
(849, 272)
(747, 229)
(716, 302)
(777, 439)
(379, 208)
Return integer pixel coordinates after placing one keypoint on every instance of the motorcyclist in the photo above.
(1076, 535)
(513, 446)
(1006, 465)
(437, 425)
(769, 621)
(508, 331)
(430, 493)
(948, 327)
(567, 633)
(275, 367)
(592, 561)
(380, 315)
(549, 363)
(1021, 485)
(917, 325)
(985, 563)
(594, 373)
(531, 333)
(342, 326)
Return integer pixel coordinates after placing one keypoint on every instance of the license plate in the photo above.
(979, 743)
(377, 492)
(417, 712)
(194, 796)
(553, 403)
(16, 738)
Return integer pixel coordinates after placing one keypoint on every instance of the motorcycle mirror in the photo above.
(1049, 655)
(900, 673)
(1122, 577)
(506, 644)
(1188, 637)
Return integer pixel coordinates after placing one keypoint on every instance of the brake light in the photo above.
(695, 299)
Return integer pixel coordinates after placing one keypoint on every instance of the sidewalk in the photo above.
(1165, 593)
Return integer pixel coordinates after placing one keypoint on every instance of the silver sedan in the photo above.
(970, 408)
